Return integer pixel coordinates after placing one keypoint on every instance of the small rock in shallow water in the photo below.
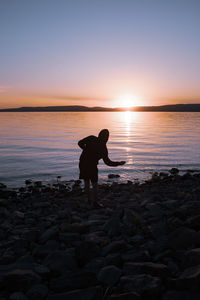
(28, 181)
(110, 176)
(174, 171)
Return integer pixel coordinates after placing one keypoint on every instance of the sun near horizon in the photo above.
(127, 101)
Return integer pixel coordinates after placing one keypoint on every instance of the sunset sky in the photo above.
(99, 52)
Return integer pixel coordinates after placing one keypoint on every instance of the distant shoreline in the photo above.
(78, 108)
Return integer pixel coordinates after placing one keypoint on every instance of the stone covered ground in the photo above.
(144, 243)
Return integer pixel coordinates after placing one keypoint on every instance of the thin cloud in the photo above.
(74, 98)
(4, 88)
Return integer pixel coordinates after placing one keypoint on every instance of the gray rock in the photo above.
(182, 238)
(154, 211)
(194, 222)
(87, 251)
(192, 257)
(30, 235)
(174, 171)
(145, 285)
(75, 228)
(181, 295)
(60, 261)
(117, 246)
(44, 250)
(111, 176)
(50, 233)
(95, 264)
(93, 293)
(131, 220)
(125, 296)
(136, 255)
(97, 237)
(113, 259)
(18, 214)
(72, 280)
(69, 237)
(159, 270)
(18, 296)
(189, 279)
(112, 227)
(20, 280)
(38, 292)
(109, 275)
(42, 270)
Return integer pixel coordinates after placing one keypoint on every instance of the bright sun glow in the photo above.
(127, 101)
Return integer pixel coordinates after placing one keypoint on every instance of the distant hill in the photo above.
(78, 108)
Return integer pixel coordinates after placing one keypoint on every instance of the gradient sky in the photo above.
(92, 52)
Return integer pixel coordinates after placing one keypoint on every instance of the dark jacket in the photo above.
(94, 150)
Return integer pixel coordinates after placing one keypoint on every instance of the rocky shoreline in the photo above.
(144, 243)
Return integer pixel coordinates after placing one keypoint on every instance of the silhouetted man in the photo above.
(94, 149)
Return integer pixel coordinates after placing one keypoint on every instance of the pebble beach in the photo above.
(143, 244)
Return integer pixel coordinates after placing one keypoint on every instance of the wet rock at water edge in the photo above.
(28, 181)
(38, 183)
(2, 186)
(111, 176)
(174, 171)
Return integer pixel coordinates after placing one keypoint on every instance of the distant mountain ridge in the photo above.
(79, 108)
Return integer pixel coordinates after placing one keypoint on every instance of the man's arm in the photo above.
(111, 163)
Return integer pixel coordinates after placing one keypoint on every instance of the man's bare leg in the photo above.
(95, 195)
(87, 190)
(95, 192)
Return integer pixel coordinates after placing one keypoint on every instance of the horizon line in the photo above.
(97, 106)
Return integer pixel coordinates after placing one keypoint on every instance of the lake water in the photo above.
(43, 145)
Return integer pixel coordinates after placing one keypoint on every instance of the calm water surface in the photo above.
(43, 145)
